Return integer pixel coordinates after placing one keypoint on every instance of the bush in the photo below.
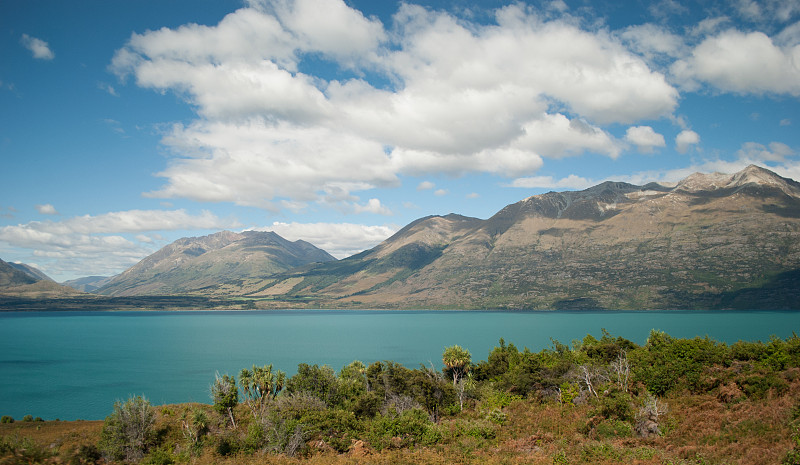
(27, 418)
(6, 419)
(86, 454)
(128, 432)
(616, 405)
(24, 451)
(409, 428)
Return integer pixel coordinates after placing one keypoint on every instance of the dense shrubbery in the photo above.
(620, 385)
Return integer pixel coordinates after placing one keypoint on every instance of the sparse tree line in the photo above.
(387, 405)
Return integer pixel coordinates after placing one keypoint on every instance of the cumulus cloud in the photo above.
(373, 206)
(776, 152)
(644, 138)
(441, 192)
(46, 209)
(338, 239)
(39, 48)
(269, 135)
(425, 186)
(742, 62)
(685, 139)
(548, 182)
(84, 245)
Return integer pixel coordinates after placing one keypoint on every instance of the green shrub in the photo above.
(408, 428)
(160, 456)
(6, 419)
(757, 386)
(27, 418)
(86, 454)
(616, 405)
(128, 432)
(613, 429)
(24, 450)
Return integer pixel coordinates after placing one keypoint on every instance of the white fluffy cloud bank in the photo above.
(450, 97)
(84, 245)
(338, 239)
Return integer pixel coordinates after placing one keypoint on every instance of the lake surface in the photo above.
(75, 365)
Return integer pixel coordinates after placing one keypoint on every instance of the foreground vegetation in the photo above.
(606, 400)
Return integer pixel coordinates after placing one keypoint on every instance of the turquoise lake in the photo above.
(75, 365)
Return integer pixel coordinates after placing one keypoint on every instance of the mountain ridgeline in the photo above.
(211, 264)
(710, 241)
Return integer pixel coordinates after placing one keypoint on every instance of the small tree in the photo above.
(457, 360)
(259, 386)
(225, 396)
(128, 432)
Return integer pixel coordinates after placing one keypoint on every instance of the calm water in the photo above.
(75, 365)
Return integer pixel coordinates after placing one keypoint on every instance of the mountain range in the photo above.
(709, 241)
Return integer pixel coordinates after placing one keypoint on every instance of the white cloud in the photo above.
(786, 122)
(46, 209)
(745, 63)
(654, 41)
(338, 239)
(645, 138)
(441, 192)
(777, 151)
(473, 195)
(39, 48)
(425, 185)
(685, 139)
(373, 206)
(270, 136)
(85, 245)
(548, 182)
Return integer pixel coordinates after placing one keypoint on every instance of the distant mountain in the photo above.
(11, 275)
(31, 271)
(209, 264)
(24, 281)
(88, 283)
(709, 241)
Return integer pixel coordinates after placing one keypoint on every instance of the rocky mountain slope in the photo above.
(711, 241)
(207, 264)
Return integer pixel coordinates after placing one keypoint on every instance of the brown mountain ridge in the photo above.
(710, 241)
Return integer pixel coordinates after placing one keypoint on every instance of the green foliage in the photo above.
(613, 429)
(129, 431)
(757, 386)
(616, 405)
(498, 399)
(25, 450)
(318, 381)
(6, 419)
(225, 396)
(159, 456)
(411, 427)
(86, 454)
(27, 418)
(259, 386)
(457, 361)
(667, 363)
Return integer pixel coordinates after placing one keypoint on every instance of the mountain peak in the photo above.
(751, 176)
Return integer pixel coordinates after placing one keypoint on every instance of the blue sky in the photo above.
(127, 125)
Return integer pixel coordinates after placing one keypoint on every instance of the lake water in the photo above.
(75, 365)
